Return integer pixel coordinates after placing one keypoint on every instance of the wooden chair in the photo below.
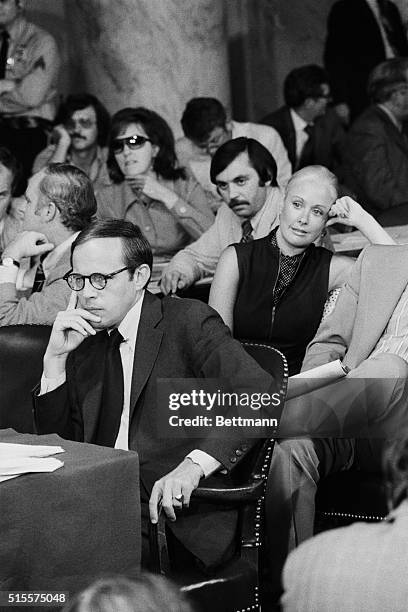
(236, 586)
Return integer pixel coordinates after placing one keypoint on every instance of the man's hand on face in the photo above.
(62, 136)
(70, 329)
(172, 280)
(27, 244)
(173, 491)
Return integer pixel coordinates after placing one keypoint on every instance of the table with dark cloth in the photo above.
(60, 530)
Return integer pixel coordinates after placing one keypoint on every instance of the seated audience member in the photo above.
(60, 203)
(368, 332)
(160, 338)
(245, 175)
(376, 164)
(360, 35)
(81, 134)
(11, 212)
(206, 128)
(274, 289)
(146, 593)
(312, 134)
(360, 567)
(29, 64)
(147, 187)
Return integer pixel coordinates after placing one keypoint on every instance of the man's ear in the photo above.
(50, 211)
(141, 276)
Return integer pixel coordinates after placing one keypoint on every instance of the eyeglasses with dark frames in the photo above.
(76, 282)
(132, 142)
(71, 124)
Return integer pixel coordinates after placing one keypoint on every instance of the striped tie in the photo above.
(247, 230)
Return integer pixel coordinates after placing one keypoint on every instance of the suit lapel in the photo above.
(291, 138)
(89, 365)
(147, 347)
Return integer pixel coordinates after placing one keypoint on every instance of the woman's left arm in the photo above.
(349, 212)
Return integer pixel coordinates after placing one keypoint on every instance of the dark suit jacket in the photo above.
(376, 165)
(327, 138)
(354, 46)
(177, 338)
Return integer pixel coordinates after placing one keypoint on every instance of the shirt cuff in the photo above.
(8, 274)
(207, 463)
(49, 384)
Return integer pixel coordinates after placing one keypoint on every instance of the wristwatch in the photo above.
(9, 261)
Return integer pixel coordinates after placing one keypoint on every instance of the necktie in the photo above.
(247, 230)
(306, 156)
(112, 394)
(4, 36)
(386, 23)
(39, 278)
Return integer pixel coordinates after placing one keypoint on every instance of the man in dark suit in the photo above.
(360, 35)
(376, 165)
(169, 338)
(311, 134)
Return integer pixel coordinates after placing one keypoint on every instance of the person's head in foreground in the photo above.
(60, 199)
(110, 266)
(146, 593)
(204, 122)
(141, 142)
(242, 170)
(309, 196)
(388, 85)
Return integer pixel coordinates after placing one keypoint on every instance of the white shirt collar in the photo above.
(298, 123)
(130, 324)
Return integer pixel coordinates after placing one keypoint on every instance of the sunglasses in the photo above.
(71, 124)
(76, 282)
(132, 142)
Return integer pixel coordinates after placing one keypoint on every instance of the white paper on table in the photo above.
(17, 459)
(316, 378)
(10, 450)
(16, 466)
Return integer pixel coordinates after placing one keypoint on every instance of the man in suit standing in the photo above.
(345, 423)
(376, 164)
(360, 35)
(167, 338)
(360, 567)
(311, 134)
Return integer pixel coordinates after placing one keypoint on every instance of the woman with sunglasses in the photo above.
(146, 185)
(274, 289)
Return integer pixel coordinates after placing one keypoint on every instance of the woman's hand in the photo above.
(152, 188)
(347, 212)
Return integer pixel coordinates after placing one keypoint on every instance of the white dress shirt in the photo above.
(301, 136)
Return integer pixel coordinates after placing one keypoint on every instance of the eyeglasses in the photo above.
(71, 124)
(214, 142)
(132, 142)
(76, 282)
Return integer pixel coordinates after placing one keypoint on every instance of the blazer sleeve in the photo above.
(39, 308)
(192, 208)
(333, 337)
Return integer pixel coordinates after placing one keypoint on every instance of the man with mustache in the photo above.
(80, 134)
(244, 173)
